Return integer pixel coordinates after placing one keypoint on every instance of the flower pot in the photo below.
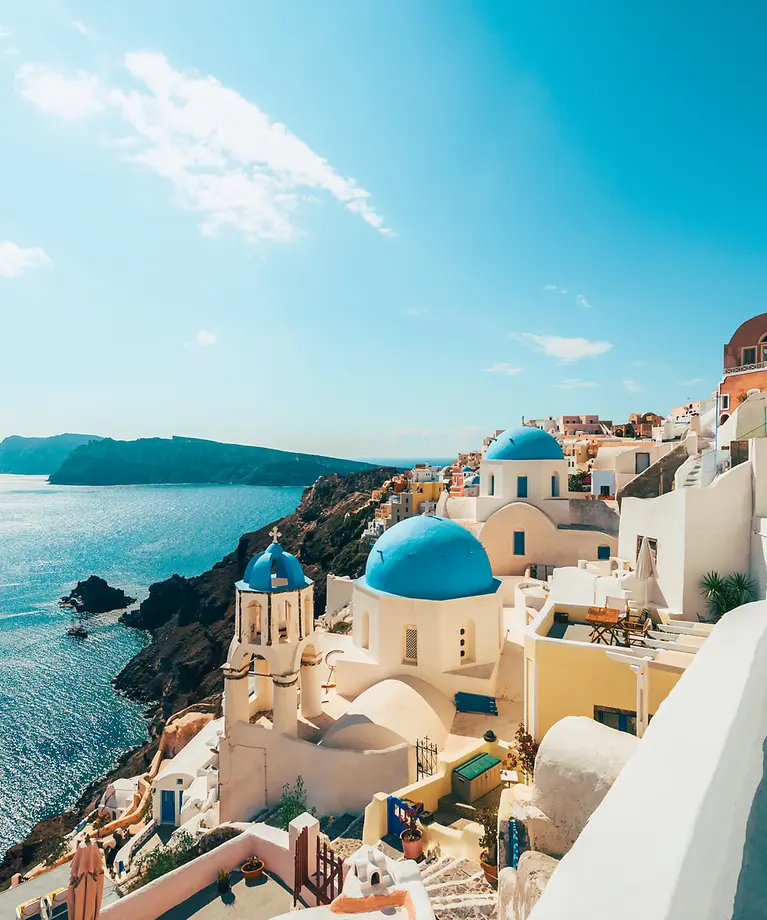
(252, 869)
(412, 843)
(491, 871)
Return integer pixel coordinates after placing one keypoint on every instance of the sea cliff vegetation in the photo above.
(189, 460)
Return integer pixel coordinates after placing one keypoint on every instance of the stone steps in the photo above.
(458, 890)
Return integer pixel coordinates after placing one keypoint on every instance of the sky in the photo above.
(372, 229)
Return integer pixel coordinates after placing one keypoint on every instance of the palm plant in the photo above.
(726, 593)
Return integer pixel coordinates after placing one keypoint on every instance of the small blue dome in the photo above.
(524, 443)
(429, 558)
(275, 563)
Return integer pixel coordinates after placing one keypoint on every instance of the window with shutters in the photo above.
(410, 655)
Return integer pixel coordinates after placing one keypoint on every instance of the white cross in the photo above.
(274, 534)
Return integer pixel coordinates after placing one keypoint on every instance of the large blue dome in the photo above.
(429, 558)
(524, 443)
(274, 565)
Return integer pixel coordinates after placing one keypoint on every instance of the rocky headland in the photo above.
(190, 460)
(191, 622)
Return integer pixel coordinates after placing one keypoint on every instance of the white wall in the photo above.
(255, 762)
(679, 809)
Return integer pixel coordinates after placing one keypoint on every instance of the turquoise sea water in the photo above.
(61, 723)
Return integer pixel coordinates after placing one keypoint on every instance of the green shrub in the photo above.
(215, 838)
(292, 803)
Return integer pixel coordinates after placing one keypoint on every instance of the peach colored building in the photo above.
(745, 364)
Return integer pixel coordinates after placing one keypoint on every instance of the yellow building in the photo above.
(424, 492)
(566, 674)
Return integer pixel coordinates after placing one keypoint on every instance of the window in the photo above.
(491, 485)
(519, 543)
(642, 462)
(466, 642)
(365, 630)
(555, 485)
(410, 655)
(653, 544)
(604, 490)
(724, 402)
(624, 720)
(749, 356)
(603, 552)
(521, 486)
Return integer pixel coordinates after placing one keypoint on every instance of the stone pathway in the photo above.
(458, 890)
(350, 838)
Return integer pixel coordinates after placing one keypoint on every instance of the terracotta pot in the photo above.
(253, 873)
(412, 848)
(491, 872)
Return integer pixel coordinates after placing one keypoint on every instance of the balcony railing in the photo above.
(760, 365)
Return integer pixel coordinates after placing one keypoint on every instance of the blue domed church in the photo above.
(427, 607)
(525, 516)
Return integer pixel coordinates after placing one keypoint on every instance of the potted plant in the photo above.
(252, 868)
(224, 881)
(489, 842)
(412, 836)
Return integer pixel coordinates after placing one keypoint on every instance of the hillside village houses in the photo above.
(512, 600)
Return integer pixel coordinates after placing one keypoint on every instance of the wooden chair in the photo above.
(639, 636)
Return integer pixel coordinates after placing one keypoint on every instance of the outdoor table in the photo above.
(604, 623)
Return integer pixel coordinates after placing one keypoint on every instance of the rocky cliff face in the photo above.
(192, 619)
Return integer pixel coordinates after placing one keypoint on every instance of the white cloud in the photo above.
(224, 157)
(573, 383)
(504, 368)
(79, 26)
(205, 339)
(15, 261)
(72, 97)
(4, 34)
(549, 287)
(563, 291)
(691, 383)
(567, 349)
(11, 51)
(582, 302)
(632, 386)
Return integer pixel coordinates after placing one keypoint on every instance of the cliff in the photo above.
(94, 595)
(189, 460)
(191, 621)
(39, 456)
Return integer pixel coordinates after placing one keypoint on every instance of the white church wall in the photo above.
(499, 485)
(339, 593)
(255, 762)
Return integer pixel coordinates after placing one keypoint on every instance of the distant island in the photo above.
(189, 460)
(39, 456)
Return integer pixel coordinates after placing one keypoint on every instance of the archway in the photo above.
(263, 686)
(723, 419)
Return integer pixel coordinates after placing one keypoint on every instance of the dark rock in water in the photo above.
(94, 595)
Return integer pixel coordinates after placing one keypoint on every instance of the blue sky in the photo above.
(367, 228)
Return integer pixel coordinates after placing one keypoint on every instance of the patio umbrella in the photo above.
(86, 882)
(645, 569)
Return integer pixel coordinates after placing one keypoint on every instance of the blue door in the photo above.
(167, 806)
(519, 543)
(396, 815)
(521, 486)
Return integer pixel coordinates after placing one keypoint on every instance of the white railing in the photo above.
(745, 367)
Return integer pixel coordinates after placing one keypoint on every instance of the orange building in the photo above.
(745, 364)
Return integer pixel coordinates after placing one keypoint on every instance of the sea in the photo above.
(61, 722)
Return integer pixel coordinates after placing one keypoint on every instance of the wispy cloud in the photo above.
(72, 98)
(566, 349)
(416, 312)
(550, 287)
(224, 157)
(205, 339)
(574, 383)
(582, 302)
(637, 363)
(691, 383)
(632, 386)
(80, 27)
(504, 368)
(16, 261)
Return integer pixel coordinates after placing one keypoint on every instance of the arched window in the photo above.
(555, 485)
(365, 630)
(763, 348)
(491, 484)
(723, 419)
